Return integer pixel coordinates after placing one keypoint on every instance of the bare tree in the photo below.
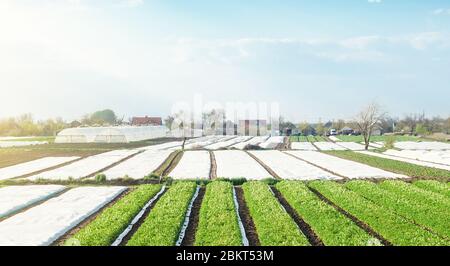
(367, 120)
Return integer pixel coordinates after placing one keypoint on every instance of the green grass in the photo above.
(394, 228)
(163, 225)
(434, 186)
(376, 138)
(49, 139)
(109, 224)
(420, 212)
(332, 227)
(408, 169)
(218, 222)
(273, 224)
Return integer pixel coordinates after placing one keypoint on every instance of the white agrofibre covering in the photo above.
(14, 198)
(8, 144)
(235, 164)
(349, 169)
(426, 145)
(272, 142)
(228, 143)
(253, 142)
(85, 167)
(288, 167)
(334, 138)
(406, 160)
(304, 146)
(193, 164)
(353, 146)
(438, 157)
(45, 223)
(138, 166)
(329, 146)
(163, 146)
(121, 134)
(33, 166)
(377, 145)
(205, 141)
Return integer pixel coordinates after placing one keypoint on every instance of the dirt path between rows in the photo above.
(247, 221)
(189, 237)
(358, 222)
(304, 227)
(172, 164)
(213, 166)
(61, 240)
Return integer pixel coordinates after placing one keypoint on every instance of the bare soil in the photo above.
(213, 166)
(189, 237)
(247, 221)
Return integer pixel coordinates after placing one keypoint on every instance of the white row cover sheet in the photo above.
(304, 146)
(425, 145)
(349, 169)
(334, 138)
(206, 141)
(234, 164)
(223, 143)
(193, 164)
(252, 142)
(85, 167)
(45, 223)
(353, 146)
(33, 166)
(162, 146)
(401, 159)
(138, 166)
(329, 146)
(14, 198)
(272, 142)
(438, 157)
(288, 167)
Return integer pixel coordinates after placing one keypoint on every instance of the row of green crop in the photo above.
(411, 170)
(332, 227)
(430, 216)
(163, 225)
(394, 228)
(273, 224)
(434, 186)
(218, 222)
(109, 224)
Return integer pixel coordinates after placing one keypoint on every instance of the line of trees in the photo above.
(26, 125)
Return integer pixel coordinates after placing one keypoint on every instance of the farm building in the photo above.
(110, 134)
(255, 127)
(146, 121)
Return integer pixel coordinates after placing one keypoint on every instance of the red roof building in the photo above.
(146, 121)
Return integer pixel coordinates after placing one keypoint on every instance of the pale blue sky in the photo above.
(318, 59)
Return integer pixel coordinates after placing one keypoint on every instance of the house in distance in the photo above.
(146, 121)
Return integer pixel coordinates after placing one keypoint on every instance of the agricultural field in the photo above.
(218, 213)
